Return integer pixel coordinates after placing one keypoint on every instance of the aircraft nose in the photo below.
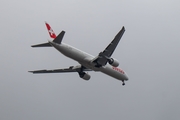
(126, 77)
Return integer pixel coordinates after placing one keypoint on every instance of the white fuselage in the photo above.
(85, 59)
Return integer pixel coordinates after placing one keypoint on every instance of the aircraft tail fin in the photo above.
(57, 39)
(50, 30)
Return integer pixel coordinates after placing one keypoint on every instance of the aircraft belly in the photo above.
(113, 73)
(74, 53)
(108, 70)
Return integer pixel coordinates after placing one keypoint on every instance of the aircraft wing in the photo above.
(65, 70)
(104, 56)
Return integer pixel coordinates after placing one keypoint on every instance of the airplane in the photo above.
(101, 63)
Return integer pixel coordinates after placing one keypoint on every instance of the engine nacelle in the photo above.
(113, 62)
(85, 76)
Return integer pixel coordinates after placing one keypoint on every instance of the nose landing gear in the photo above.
(123, 83)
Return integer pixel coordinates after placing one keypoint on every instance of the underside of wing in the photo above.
(112, 46)
(104, 56)
(53, 71)
(66, 70)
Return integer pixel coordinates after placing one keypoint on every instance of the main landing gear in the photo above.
(123, 83)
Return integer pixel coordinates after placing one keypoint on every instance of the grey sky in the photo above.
(148, 52)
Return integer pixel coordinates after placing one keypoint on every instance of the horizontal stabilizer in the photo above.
(42, 45)
(59, 38)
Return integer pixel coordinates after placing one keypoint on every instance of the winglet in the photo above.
(50, 30)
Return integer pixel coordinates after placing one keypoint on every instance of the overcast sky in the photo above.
(148, 51)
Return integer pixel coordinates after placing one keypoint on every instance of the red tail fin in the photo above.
(51, 32)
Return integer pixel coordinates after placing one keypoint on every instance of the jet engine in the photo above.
(113, 62)
(84, 76)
